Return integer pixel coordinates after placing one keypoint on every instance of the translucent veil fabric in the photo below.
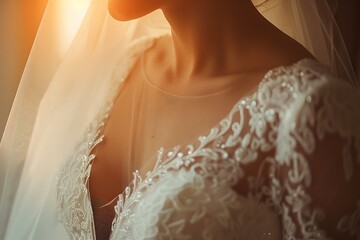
(62, 90)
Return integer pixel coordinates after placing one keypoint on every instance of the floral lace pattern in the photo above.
(190, 192)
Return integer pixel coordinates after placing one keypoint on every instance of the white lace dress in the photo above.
(295, 143)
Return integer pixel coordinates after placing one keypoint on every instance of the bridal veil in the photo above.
(62, 72)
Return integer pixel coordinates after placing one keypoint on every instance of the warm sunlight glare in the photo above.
(71, 12)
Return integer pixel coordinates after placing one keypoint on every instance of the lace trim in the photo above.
(351, 223)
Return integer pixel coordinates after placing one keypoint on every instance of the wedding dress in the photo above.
(274, 140)
(279, 161)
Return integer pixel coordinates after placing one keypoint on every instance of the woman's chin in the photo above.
(122, 13)
(124, 10)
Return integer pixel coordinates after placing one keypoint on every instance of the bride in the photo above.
(185, 120)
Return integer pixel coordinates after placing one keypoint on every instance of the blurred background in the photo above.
(19, 21)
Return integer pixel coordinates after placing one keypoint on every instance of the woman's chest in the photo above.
(188, 150)
(141, 122)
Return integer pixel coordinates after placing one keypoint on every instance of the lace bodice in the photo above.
(264, 172)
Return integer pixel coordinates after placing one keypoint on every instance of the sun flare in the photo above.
(71, 14)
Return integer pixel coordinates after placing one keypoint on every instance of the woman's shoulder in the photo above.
(311, 101)
(305, 81)
(140, 45)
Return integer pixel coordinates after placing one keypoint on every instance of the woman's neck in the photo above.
(219, 37)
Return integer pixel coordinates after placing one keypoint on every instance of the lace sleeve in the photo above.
(318, 148)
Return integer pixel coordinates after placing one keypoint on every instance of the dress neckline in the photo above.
(216, 93)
